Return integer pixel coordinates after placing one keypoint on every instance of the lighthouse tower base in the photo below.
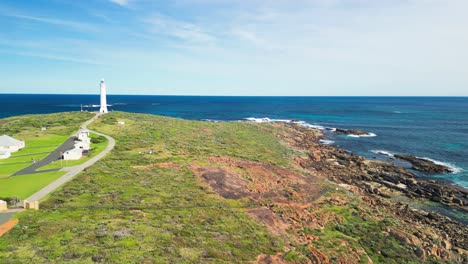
(103, 108)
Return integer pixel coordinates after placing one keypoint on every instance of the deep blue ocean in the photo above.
(430, 127)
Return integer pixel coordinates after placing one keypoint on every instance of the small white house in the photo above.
(83, 145)
(83, 133)
(73, 154)
(10, 144)
(5, 154)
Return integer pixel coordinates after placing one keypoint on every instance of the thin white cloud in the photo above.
(58, 22)
(54, 57)
(185, 31)
(121, 2)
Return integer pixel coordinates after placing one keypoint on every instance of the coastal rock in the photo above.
(351, 132)
(424, 165)
(379, 182)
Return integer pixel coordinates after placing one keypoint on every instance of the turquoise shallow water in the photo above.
(430, 127)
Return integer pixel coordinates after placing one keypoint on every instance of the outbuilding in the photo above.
(10, 144)
(5, 154)
(73, 154)
(84, 145)
(83, 134)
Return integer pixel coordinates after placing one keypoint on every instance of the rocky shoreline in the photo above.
(424, 165)
(380, 182)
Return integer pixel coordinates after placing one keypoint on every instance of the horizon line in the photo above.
(213, 95)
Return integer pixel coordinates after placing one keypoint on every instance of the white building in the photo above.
(83, 145)
(10, 144)
(83, 134)
(5, 154)
(73, 154)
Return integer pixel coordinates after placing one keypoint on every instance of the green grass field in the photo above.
(26, 185)
(38, 146)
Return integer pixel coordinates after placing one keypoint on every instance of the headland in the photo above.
(175, 190)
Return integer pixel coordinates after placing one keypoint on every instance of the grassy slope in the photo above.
(26, 185)
(115, 213)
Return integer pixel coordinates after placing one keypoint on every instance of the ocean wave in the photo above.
(383, 152)
(365, 135)
(452, 167)
(326, 141)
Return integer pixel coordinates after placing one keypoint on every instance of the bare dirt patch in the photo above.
(285, 200)
(234, 178)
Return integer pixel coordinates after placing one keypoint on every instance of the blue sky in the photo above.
(235, 47)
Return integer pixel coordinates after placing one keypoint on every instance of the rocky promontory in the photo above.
(381, 182)
(348, 132)
(424, 165)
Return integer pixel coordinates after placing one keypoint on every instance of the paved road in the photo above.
(53, 156)
(4, 217)
(72, 171)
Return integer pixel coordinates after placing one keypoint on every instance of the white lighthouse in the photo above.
(103, 108)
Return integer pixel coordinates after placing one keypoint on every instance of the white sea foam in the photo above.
(365, 135)
(326, 141)
(211, 120)
(452, 167)
(267, 119)
(281, 120)
(294, 121)
(383, 152)
(313, 126)
(258, 120)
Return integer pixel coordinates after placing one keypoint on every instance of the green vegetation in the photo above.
(26, 185)
(136, 207)
(173, 139)
(58, 123)
(359, 229)
(116, 213)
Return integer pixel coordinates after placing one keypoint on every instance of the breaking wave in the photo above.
(326, 141)
(365, 135)
(452, 167)
(383, 152)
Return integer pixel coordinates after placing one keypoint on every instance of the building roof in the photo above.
(74, 150)
(6, 140)
(83, 130)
